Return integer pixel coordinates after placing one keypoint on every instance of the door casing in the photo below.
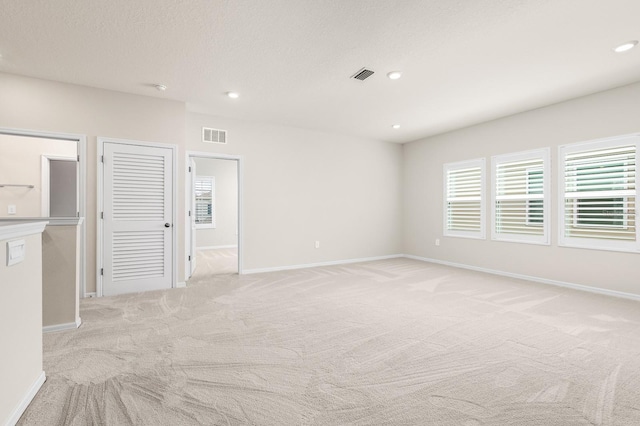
(188, 190)
(45, 180)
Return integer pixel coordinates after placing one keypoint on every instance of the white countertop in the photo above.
(16, 229)
(53, 221)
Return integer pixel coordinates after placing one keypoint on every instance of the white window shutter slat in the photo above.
(520, 197)
(598, 194)
(464, 199)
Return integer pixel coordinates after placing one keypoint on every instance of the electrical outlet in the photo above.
(317, 244)
(437, 241)
(11, 209)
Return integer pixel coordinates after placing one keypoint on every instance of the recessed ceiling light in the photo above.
(394, 75)
(626, 46)
(161, 87)
(233, 95)
(395, 126)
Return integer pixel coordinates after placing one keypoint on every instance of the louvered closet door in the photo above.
(137, 218)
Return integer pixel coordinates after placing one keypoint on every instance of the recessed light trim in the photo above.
(394, 75)
(625, 47)
(161, 87)
(233, 95)
(395, 126)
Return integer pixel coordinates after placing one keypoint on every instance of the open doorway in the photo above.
(26, 157)
(213, 188)
(59, 186)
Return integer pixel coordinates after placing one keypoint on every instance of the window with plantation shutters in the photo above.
(204, 202)
(464, 199)
(519, 194)
(598, 190)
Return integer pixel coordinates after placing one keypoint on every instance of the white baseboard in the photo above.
(574, 286)
(91, 294)
(313, 265)
(62, 327)
(216, 247)
(26, 400)
(181, 284)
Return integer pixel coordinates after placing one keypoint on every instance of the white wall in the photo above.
(34, 104)
(301, 186)
(609, 113)
(225, 203)
(20, 325)
(21, 163)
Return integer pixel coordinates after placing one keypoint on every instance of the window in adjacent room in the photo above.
(520, 197)
(204, 202)
(464, 201)
(599, 194)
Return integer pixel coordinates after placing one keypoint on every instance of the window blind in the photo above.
(520, 197)
(204, 201)
(600, 194)
(464, 199)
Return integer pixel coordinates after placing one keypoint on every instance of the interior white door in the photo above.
(138, 218)
(192, 256)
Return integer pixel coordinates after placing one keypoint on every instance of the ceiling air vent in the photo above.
(363, 74)
(210, 135)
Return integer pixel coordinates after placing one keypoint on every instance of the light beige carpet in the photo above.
(215, 262)
(395, 342)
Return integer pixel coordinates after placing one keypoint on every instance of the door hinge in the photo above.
(101, 215)
(102, 158)
(189, 169)
(189, 212)
(77, 214)
(189, 258)
(78, 158)
(101, 271)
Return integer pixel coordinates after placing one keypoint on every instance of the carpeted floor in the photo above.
(215, 262)
(394, 342)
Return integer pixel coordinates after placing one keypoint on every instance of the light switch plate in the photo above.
(11, 209)
(15, 252)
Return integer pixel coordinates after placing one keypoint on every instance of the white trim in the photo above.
(90, 294)
(579, 287)
(26, 400)
(181, 284)
(187, 234)
(314, 265)
(62, 327)
(99, 204)
(217, 247)
(82, 184)
(17, 230)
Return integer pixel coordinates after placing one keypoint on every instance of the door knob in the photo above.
(167, 225)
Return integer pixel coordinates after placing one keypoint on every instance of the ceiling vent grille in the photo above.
(363, 74)
(210, 135)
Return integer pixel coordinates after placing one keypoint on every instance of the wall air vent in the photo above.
(363, 74)
(210, 135)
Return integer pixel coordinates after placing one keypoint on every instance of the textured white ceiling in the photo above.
(464, 61)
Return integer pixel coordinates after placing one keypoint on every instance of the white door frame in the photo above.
(187, 235)
(81, 140)
(45, 181)
(99, 205)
